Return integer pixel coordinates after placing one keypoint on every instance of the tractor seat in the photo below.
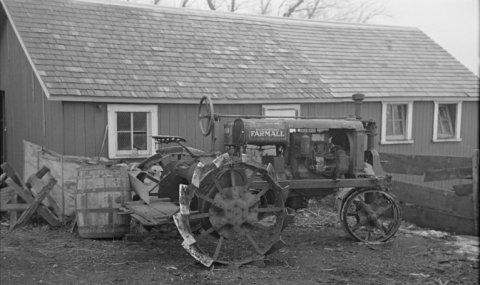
(168, 139)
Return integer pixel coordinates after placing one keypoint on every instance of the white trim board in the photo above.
(458, 121)
(409, 123)
(163, 100)
(152, 120)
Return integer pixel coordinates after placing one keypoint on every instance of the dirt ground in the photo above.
(317, 252)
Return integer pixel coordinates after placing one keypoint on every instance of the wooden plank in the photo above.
(139, 187)
(182, 122)
(100, 126)
(151, 198)
(433, 198)
(11, 174)
(464, 189)
(142, 220)
(54, 123)
(14, 207)
(475, 163)
(147, 212)
(69, 128)
(35, 203)
(8, 170)
(437, 220)
(168, 208)
(6, 194)
(417, 164)
(42, 172)
(3, 177)
(140, 211)
(13, 214)
(36, 182)
(448, 174)
(43, 211)
(158, 213)
(91, 147)
(80, 138)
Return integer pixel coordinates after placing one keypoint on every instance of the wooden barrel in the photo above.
(101, 191)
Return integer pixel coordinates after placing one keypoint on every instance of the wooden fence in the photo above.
(452, 210)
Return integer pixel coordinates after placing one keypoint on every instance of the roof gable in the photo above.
(102, 50)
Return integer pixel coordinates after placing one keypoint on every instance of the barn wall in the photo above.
(84, 128)
(422, 134)
(181, 120)
(29, 115)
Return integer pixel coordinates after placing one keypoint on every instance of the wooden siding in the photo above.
(422, 134)
(181, 120)
(84, 128)
(29, 116)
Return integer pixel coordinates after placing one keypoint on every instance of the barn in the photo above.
(77, 75)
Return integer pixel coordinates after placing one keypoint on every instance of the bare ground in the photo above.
(317, 252)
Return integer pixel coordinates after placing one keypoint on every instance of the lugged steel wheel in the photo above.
(371, 215)
(235, 223)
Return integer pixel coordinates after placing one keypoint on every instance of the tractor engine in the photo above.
(301, 149)
(314, 156)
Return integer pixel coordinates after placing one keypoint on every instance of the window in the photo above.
(291, 110)
(446, 121)
(396, 123)
(129, 130)
(282, 111)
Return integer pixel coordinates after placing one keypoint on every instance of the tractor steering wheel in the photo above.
(206, 121)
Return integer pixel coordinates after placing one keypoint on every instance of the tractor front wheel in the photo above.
(370, 215)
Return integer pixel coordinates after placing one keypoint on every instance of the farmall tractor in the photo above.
(234, 206)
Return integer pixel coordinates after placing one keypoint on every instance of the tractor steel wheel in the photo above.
(370, 215)
(206, 121)
(235, 224)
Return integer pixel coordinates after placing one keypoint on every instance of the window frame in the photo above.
(458, 121)
(408, 123)
(152, 129)
(296, 107)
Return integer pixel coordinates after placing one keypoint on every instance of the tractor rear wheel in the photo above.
(238, 221)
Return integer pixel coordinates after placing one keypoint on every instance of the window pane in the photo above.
(140, 141)
(389, 128)
(446, 122)
(140, 121)
(396, 121)
(398, 127)
(399, 112)
(124, 141)
(452, 109)
(123, 121)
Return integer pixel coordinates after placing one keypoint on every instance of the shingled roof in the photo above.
(84, 50)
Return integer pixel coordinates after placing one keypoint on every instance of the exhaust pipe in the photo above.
(358, 99)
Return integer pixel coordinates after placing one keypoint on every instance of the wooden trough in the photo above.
(453, 210)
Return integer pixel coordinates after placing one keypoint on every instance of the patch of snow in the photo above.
(468, 247)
